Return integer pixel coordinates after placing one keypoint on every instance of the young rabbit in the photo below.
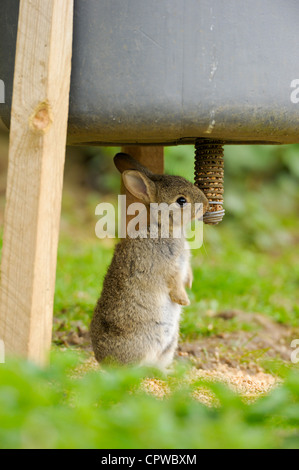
(136, 319)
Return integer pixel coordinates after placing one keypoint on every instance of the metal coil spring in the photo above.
(209, 173)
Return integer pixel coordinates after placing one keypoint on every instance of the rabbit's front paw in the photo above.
(180, 298)
(189, 278)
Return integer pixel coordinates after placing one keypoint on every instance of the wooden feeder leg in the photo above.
(35, 176)
(150, 156)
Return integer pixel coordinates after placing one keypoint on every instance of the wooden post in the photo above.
(35, 176)
(150, 156)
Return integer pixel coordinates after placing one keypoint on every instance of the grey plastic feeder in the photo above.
(169, 71)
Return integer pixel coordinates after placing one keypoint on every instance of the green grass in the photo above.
(80, 273)
(246, 280)
(51, 408)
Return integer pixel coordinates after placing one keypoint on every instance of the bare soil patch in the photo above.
(235, 359)
(243, 350)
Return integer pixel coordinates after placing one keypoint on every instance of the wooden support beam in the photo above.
(150, 156)
(35, 176)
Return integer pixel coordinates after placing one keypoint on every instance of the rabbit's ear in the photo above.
(124, 162)
(139, 185)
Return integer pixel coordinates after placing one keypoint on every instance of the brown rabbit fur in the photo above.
(136, 319)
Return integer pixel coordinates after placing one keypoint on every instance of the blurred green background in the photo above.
(247, 269)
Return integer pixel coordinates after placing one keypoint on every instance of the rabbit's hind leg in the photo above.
(166, 357)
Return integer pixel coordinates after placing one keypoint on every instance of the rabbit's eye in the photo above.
(181, 201)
